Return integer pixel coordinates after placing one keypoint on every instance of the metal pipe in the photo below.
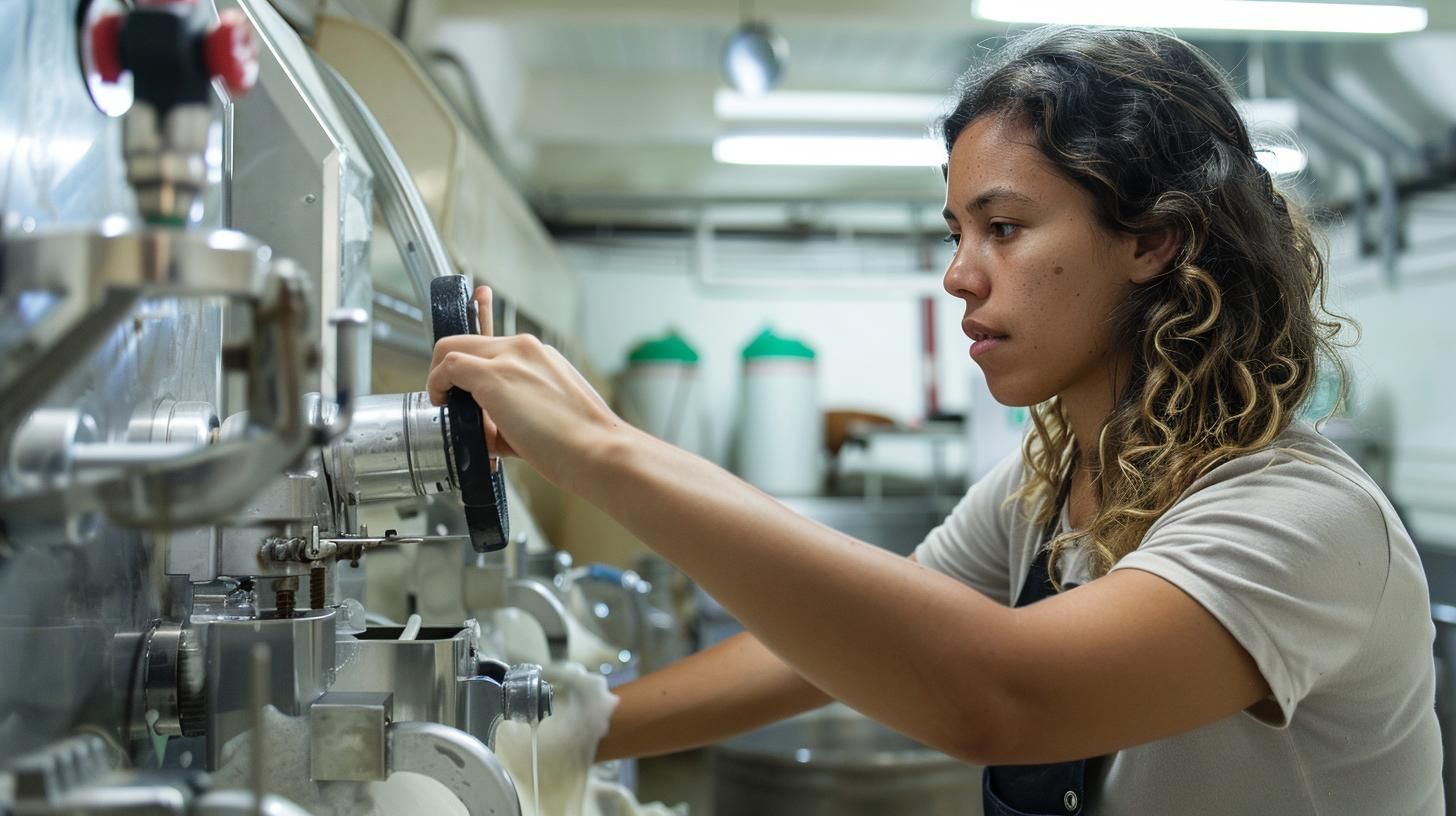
(349, 325)
(1347, 120)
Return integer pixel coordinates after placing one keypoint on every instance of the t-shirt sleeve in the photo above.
(973, 544)
(1289, 555)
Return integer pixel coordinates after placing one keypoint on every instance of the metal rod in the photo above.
(262, 670)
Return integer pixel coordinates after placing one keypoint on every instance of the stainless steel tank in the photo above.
(837, 762)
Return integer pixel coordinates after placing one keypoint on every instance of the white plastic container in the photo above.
(659, 392)
(780, 434)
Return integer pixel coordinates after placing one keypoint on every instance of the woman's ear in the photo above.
(1153, 253)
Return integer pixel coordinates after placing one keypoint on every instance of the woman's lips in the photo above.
(984, 339)
(986, 344)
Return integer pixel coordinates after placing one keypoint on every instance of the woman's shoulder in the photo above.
(1300, 457)
(1301, 474)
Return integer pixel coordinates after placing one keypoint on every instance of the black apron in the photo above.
(1055, 789)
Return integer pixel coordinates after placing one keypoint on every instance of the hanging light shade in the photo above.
(754, 58)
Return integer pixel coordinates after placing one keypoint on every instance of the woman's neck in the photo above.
(1087, 406)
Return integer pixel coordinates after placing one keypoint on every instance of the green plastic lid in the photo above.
(667, 349)
(768, 344)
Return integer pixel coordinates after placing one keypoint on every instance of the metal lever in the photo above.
(349, 334)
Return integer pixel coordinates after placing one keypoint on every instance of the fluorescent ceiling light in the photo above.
(844, 151)
(829, 106)
(1243, 15)
(1281, 161)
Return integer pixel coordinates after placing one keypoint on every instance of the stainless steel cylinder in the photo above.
(527, 695)
(301, 667)
(44, 447)
(394, 449)
(193, 423)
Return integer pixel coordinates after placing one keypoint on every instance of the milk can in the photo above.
(781, 430)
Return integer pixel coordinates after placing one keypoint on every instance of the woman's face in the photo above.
(1039, 275)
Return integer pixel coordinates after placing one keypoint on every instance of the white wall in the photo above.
(1404, 374)
(868, 342)
(1403, 370)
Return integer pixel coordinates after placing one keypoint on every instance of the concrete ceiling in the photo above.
(605, 108)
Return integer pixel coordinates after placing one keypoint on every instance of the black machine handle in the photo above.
(482, 481)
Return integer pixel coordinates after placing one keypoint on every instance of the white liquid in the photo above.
(535, 771)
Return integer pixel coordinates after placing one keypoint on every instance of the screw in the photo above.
(284, 590)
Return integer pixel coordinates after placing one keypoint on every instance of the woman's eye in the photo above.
(1002, 229)
(952, 238)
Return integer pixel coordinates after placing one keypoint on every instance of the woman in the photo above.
(1175, 576)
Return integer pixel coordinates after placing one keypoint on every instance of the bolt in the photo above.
(284, 590)
(318, 587)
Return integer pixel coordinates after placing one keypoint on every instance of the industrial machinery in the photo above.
(184, 445)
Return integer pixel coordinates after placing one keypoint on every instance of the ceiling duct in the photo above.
(1345, 129)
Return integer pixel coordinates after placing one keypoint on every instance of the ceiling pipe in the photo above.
(1367, 125)
(1317, 127)
(1336, 122)
(1376, 70)
(874, 287)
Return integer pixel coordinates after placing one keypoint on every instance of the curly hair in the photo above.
(1225, 345)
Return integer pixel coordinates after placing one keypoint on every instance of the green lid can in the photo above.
(670, 348)
(768, 345)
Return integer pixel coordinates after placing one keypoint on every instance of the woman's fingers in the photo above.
(483, 303)
(460, 369)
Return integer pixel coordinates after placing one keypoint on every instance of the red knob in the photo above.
(106, 46)
(231, 53)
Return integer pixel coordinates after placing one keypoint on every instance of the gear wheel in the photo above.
(191, 685)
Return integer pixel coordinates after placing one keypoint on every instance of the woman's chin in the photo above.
(1014, 393)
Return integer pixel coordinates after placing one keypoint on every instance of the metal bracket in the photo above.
(100, 276)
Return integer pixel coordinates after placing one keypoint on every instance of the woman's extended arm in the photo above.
(1124, 660)
(727, 689)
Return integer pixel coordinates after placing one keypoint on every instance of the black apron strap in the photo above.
(1052, 789)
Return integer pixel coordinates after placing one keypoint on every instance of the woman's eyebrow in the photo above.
(994, 195)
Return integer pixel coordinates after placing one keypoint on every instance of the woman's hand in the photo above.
(536, 405)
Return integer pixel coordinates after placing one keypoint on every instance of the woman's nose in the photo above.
(965, 279)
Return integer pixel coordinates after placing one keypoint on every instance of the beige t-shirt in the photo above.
(1299, 555)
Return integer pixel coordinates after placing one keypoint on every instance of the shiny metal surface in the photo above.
(414, 232)
(298, 181)
(438, 677)
(346, 736)
(422, 674)
(165, 159)
(395, 449)
(458, 761)
(101, 274)
(50, 774)
(301, 669)
(62, 165)
(96, 278)
(162, 678)
(41, 455)
(194, 423)
(836, 761)
(528, 697)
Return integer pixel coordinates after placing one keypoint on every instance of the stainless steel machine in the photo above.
(186, 443)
